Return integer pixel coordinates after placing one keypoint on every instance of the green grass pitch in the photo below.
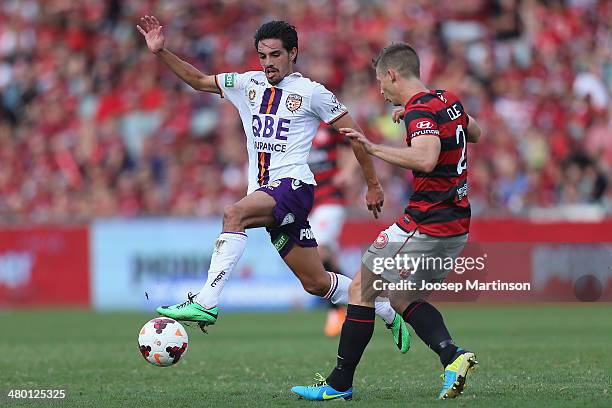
(535, 355)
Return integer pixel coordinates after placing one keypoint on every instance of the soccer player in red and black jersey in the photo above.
(334, 167)
(434, 225)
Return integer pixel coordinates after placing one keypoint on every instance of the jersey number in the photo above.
(460, 135)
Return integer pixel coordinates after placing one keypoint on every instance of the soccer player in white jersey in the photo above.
(280, 112)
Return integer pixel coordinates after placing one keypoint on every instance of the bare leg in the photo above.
(254, 210)
(307, 267)
(362, 291)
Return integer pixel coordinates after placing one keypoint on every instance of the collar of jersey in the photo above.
(416, 96)
(292, 75)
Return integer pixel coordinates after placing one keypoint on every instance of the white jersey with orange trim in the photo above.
(279, 121)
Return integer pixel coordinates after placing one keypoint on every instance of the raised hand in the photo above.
(152, 33)
(398, 114)
(358, 137)
(375, 198)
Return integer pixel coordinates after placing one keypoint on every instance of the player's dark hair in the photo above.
(280, 30)
(401, 57)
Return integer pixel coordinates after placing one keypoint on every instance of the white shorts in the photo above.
(326, 223)
(431, 250)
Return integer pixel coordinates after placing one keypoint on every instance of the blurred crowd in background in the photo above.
(92, 125)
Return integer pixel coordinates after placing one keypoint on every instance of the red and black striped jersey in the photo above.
(323, 162)
(439, 204)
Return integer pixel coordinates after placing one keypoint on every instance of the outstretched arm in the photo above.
(421, 155)
(152, 32)
(348, 167)
(375, 195)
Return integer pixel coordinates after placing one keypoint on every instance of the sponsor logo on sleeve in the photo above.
(230, 80)
(425, 132)
(337, 106)
(425, 124)
(425, 127)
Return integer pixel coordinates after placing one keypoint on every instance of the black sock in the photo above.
(356, 334)
(429, 325)
(329, 267)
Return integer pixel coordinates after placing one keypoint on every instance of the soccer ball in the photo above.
(162, 341)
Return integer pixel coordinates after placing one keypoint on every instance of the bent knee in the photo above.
(401, 301)
(232, 214)
(317, 285)
(398, 304)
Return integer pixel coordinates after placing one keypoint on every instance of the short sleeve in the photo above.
(326, 106)
(421, 122)
(231, 85)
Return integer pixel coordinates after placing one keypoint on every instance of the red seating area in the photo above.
(91, 125)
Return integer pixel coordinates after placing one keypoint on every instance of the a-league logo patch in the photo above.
(293, 102)
(381, 241)
(252, 94)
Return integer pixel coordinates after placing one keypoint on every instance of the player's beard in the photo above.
(275, 79)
